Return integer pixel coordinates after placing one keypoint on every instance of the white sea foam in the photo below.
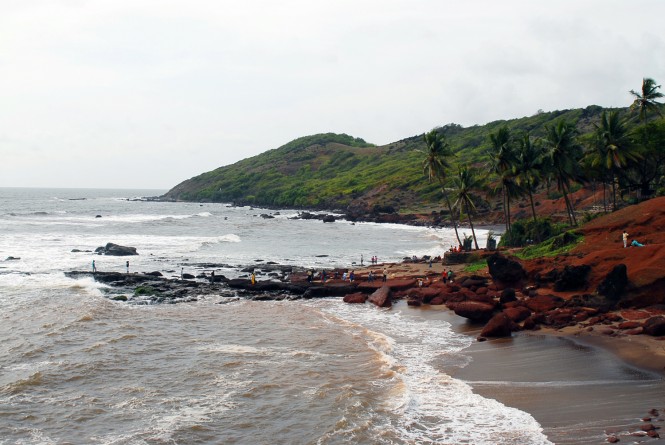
(433, 407)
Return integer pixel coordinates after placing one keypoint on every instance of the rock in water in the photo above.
(116, 250)
(499, 326)
(381, 297)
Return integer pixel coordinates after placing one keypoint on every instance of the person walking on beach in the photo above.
(361, 259)
(450, 275)
(127, 265)
(94, 268)
(625, 239)
(444, 276)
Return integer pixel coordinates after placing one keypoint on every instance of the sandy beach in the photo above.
(582, 386)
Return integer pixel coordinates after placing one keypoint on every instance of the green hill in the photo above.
(338, 171)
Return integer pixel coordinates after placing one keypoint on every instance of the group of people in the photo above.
(94, 266)
(633, 243)
(456, 249)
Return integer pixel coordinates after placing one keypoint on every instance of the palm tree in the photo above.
(529, 166)
(646, 100)
(436, 164)
(564, 153)
(466, 182)
(502, 161)
(613, 150)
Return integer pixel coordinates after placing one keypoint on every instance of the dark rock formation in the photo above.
(356, 298)
(517, 314)
(328, 218)
(499, 326)
(474, 310)
(381, 297)
(505, 270)
(655, 326)
(572, 278)
(507, 295)
(614, 283)
(116, 250)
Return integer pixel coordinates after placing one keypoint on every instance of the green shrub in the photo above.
(526, 232)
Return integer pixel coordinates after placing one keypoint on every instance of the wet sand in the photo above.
(582, 388)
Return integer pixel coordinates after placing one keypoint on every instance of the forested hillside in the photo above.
(337, 171)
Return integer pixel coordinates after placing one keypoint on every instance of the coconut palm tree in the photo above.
(435, 166)
(564, 153)
(502, 162)
(466, 182)
(645, 101)
(613, 149)
(529, 166)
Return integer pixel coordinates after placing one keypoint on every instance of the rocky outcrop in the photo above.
(655, 326)
(355, 298)
(381, 297)
(572, 278)
(614, 283)
(505, 270)
(499, 326)
(116, 250)
(474, 310)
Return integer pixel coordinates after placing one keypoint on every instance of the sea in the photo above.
(77, 367)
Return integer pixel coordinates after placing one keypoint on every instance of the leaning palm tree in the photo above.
(502, 162)
(466, 182)
(529, 166)
(613, 149)
(645, 101)
(435, 166)
(564, 153)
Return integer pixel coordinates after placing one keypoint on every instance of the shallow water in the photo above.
(76, 367)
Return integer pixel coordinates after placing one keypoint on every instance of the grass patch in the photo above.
(558, 245)
(145, 290)
(475, 266)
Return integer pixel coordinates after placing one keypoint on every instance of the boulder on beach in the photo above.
(355, 298)
(655, 326)
(499, 326)
(474, 310)
(381, 297)
(116, 250)
(572, 278)
(614, 283)
(505, 270)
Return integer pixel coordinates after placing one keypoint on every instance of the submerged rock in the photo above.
(116, 250)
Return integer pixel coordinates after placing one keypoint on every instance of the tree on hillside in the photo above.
(502, 163)
(645, 101)
(564, 153)
(612, 149)
(435, 166)
(529, 166)
(466, 183)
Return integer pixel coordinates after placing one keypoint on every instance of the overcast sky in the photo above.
(148, 93)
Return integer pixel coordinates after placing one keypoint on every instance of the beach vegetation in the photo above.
(145, 291)
(557, 245)
(527, 232)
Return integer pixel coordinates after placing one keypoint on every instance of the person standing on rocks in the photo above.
(253, 278)
(625, 239)
(94, 268)
(127, 265)
(385, 275)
